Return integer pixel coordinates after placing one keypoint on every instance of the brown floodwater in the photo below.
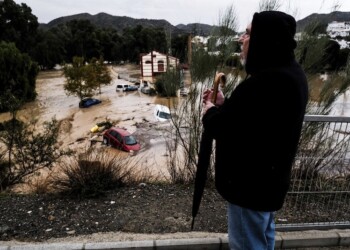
(130, 110)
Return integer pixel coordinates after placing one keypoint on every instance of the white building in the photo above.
(155, 63)
(335, 29)
(339, 29)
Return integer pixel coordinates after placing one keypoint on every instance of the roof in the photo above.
(158, 53)
(121, 131)
(163, 108)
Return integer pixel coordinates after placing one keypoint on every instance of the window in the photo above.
(113, 133)
(160, 66)
(164, 115)
(130, 140)
(119, 137)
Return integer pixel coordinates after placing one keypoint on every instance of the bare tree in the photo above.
(265, 5)
(186, 130)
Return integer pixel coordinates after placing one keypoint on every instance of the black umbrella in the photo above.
(205, 150)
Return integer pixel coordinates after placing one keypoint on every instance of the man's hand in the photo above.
(207, 96)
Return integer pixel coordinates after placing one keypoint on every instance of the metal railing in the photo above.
(319, 194)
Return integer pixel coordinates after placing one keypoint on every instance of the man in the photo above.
(257, 130)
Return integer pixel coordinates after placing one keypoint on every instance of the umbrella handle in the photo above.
(219, 78)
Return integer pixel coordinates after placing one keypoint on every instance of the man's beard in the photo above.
(243, 60)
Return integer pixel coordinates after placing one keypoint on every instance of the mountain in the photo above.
(197, 28)
(323, 19)
(103, 20)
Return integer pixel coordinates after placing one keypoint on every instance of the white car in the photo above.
(122, 87)
(161, 113)
(183, 91)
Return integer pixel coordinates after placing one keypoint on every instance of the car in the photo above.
(183, 91)
(161, 113)
(126, 87)
(121, 139)
(131, 88)
(146, 90)
(88, 102)
(121, 87)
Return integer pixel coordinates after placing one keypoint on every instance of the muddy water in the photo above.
(131, 110)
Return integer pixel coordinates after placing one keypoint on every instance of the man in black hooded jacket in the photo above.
(257, 130)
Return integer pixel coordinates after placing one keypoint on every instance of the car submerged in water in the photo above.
(126, 87)
(88, 102)
(121, 139)
(161, 113)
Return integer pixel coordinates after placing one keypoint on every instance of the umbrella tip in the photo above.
(192, 224)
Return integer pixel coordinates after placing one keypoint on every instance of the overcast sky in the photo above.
(177, 11)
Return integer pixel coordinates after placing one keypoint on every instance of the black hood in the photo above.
(271, 41)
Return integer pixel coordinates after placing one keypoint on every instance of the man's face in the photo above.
(244, 41)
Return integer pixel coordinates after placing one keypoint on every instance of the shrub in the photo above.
(40, 184)
(27, 149)
(93, 173)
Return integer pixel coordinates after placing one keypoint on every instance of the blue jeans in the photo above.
(249, 229)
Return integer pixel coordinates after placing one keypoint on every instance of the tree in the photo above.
(342, 58)
(17, 74)
(168, 83)
(9, 102)
(18, 25)
(82, 40)
(266, 5)
(98, 73)
(318, 53)
(76, 83)
(110, 43)
(179, 46)
(223, 35)
(49, 50)
(142, 40)
(186, 123)
(83, 79)
(29, 150)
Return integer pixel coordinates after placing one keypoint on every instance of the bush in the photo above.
(93, 173)
(27, 149)
(168, 83)
(40, 184)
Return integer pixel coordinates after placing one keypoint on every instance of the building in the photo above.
(155, 63)
(338, 29)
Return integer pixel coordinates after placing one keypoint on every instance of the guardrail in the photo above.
(319, 195)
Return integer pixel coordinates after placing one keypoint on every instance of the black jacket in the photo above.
(257, 130)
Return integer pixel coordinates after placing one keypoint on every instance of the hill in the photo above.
(323, 19)
(103, 20)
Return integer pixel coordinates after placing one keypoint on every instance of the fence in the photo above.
(319, 195)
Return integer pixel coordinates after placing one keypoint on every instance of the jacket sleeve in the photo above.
(217, 120)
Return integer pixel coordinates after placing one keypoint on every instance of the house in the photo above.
(335, 29)
(155, 63)
(339, 30)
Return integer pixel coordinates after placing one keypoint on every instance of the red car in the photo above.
(121, 139)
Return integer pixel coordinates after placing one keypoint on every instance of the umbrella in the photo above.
(205, 149)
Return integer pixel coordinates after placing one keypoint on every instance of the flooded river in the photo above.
(123, 109)
(130, 110)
